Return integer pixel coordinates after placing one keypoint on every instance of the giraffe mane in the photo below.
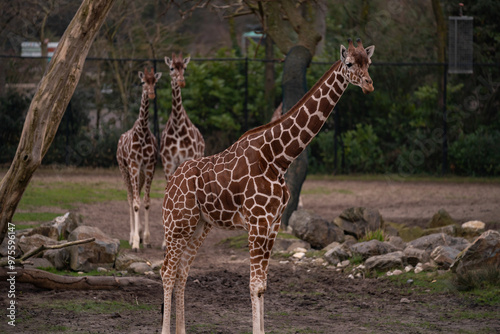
(295, 107)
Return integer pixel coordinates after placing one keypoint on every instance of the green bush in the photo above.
(476, 154)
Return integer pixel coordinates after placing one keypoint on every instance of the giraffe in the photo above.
(180, 140)
(243, 187)
(136, 155)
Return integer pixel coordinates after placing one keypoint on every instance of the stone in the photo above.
(39, 263)
(59, 228)
(483, 252)
(429, 242)
(4, 247)
(396, 242)
(472, 229)
(440, 219)
(386, 261)
(315, 230)
(124, 260)
(372, 248)
(331, 246)
(139, 267)
(287, 245)
(58, 257)
(100, 253)
(444, 256)
(340, 253)
(156, 265)
(357, 221)
(299, 255)
(415, 255)
(28, 243)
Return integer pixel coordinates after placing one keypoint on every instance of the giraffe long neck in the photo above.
(283, 140)
(177, 108)
(143, 119)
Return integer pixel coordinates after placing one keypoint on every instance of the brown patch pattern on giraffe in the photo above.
(243, 188)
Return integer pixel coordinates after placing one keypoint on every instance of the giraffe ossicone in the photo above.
(243, 187)
(136, 155)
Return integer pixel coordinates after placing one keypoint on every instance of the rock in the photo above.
(483, 252)
(397, 272)
(102, 270)
(451, 230)
(405, 301)
(396, 242)
(59, 228)
(472, 229)
(156, 265)
(415, 255)
(386, 261)
(28, 243)
(440, 219)
(139, 267)
(338, 254)
(4, 247)
(39, 263)
(124, 260)
(99, 253)
(429, 242)
(358, 221)
(58, 257)
(287, 245)
(331, 246)
(314, 229)
(444, 256)
(299, 255)
(372, 248)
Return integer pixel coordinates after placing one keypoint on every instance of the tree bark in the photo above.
(294, 87)
(49, 103)
(45, 280)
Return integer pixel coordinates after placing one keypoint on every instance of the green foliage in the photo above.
(476, 153)
(373, 235)
(34, 216)
(481, 285)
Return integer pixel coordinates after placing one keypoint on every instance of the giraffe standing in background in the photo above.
(180, 140)
(136, 155)
(243, 187)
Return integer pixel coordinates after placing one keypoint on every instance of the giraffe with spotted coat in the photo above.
(136, 155)
(243, 187)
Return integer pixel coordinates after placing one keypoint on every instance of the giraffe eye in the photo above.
(349, 64)
(171, 69)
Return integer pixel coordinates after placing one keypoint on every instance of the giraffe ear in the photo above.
(186, 60)
(343, 53)
(168, 61)
(141, 75)
(369, 51)
(157, 76)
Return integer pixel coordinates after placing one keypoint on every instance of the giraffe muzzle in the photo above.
(367, 86)
(181, 83)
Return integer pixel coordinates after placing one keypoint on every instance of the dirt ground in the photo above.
(300, 298)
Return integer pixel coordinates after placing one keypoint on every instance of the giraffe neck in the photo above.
(283, 140)
(143, 120)
(177, 108)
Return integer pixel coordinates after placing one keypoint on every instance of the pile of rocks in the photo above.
(440, 248)
(103, 254)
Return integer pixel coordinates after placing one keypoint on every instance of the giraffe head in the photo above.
(177, 66)
(149, 80)
(356, 61)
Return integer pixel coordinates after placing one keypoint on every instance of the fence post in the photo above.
(444, 168)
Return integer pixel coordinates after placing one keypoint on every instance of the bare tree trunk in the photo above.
(49, 103)
(294, 87)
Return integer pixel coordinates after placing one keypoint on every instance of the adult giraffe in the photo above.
(180, 140)
(243, 187)
(136, 155)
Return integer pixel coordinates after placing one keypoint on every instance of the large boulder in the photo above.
(415, 255)
(338, 254)
(59, 228)
(483, 252)
(358, 221)
(58, 257)
(29, 243)
(124, 260)
(444, 256)
(429, 242)
(99, 253)
(440, 219)
(386, 261)
(372, 248)
(318, 232)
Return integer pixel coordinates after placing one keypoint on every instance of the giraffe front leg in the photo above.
(146, 234)
(136, 205)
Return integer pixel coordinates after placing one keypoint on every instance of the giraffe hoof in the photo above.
(136, 250)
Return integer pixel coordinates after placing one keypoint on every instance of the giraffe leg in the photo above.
(130, 196)
(260, 245)
(186, 260)
(136, 205)
(147, 189)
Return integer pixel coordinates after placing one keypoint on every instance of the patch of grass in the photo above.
(238, 242)
(374, 235)
(34, 216)
(356, 259)
(315, 253)
(66, 194)
(97, 306)
(25, 226)
(481, 286)
(284, 235)
(424, 281)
